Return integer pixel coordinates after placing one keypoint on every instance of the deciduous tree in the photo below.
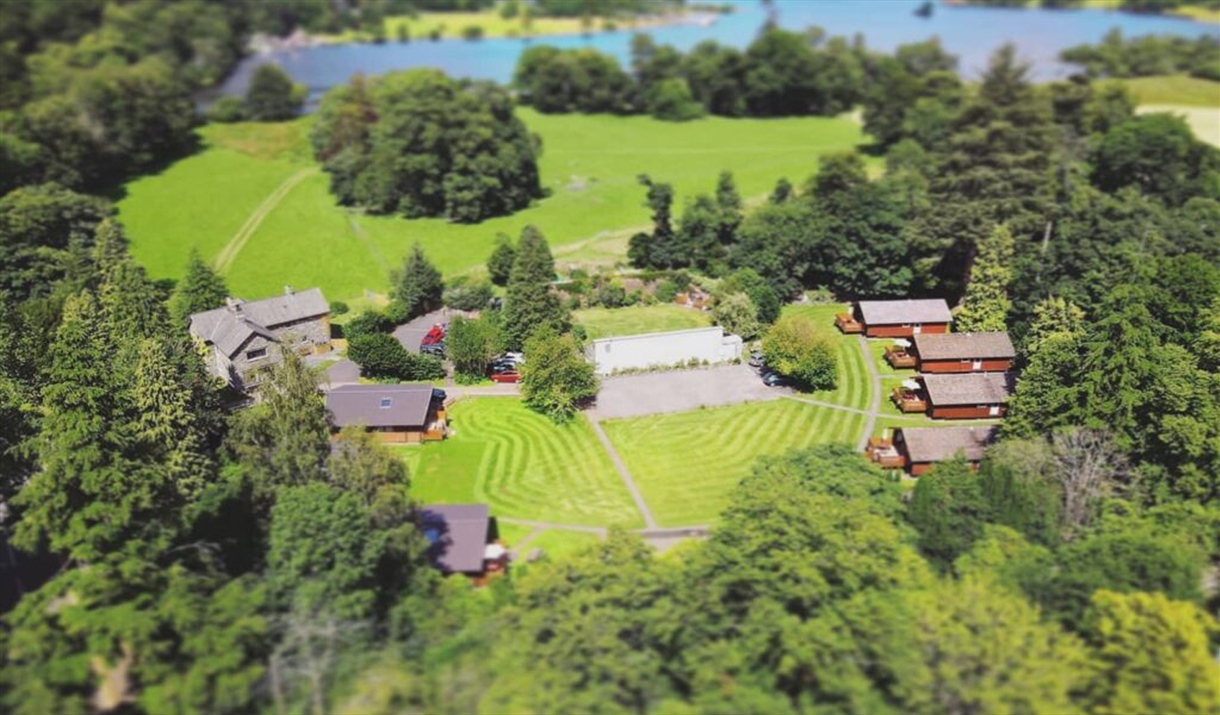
(556, 380)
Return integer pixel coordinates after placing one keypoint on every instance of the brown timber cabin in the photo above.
(918, 449)
(396, 413)
(896, 318)
(975, 395)
(962, 352)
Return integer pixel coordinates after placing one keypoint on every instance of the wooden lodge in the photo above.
(962, 352)
(399, 414)
(918, 449)
(967, 396)
(463, 538)
(896, 318)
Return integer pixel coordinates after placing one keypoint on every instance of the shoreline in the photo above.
(262, 44)
(1192, 13)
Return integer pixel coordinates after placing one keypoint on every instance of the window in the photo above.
(386, 402)
(256, 354)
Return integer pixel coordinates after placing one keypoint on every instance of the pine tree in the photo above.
(285, 438)
(109, 246)
(91, 497)
(169, 424)
(530, 303)
(661, 248)
(729, 202)
(985, 306)
(200, 289)
(500, 264)
(418, 287)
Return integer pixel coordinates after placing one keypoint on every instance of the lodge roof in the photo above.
(938, 444)
(898, 312)
(962, 346)
(380, 405)
(457, 535)
(229, 328)
(968, 388)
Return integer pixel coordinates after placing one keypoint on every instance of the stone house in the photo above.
(244, 338)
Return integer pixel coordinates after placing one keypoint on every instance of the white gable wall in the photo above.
(661, 350)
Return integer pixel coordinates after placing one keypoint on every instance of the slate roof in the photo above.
(897, 312)
(362, 404)
(229, 328)
(963, 346)
(968, 388)
(938, 444)
(457, 535)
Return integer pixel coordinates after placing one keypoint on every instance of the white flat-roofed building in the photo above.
(663, 350)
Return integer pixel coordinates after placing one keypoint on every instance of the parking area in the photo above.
(410, 334)
(682, 390)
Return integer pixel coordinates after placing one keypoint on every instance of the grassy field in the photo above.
(225, 195)
(688, 463)
(606, 323)
(522, 465)
(556, 543)
(855, 382)
(1177, 90)
(451, 25)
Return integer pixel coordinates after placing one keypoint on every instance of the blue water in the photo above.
(972, 33)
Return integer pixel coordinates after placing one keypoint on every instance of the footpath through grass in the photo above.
(589, 164)
(688, 463)
(523, 465)
(637, 320)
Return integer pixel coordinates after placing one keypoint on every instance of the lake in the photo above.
(972, 33)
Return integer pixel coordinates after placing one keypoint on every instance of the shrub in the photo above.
(556, 379)
(338, 307)
(795, 348)
(509, 10)
(380, 356)
(272, 96)
(472, 33)
(472, 344)
(424, 367)
(611, 296)
(227, 109)
(759, 291)
(370, 322)
(666, 291)
(468, 294)
(737, 314)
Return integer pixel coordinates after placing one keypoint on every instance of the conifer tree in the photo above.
(659, 249)
(500, 264)
(418, 287)
(171, 422)
(729, 202)
(200, 289)
(530, 303)
(985, 306)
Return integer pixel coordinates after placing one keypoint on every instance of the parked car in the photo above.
(774, 379)
(757, 363)
(507, 376)
(502, 367)
(434, 349)
(515, 358)
(435, 335)
(438, 395)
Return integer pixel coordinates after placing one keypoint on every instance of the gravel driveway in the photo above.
(678, 391)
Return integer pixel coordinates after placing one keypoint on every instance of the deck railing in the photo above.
(908, 401)
(899, 358)
(847, 323)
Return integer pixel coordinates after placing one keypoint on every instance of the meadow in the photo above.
(523, 465)
(225, 195)
(637, 320)
(688, 463)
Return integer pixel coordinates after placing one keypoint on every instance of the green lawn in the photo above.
(589, 165)
(1175, 90)
(557, 543)
(855, 382)
(877, 348)
(688, 463)
(605, 323)
(522, 465)
(492, 24)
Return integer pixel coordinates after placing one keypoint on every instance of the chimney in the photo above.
(287, 290)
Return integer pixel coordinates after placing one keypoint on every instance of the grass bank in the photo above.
(637, 320)
(589, 164)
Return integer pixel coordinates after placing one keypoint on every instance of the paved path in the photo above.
(228, 254)
(681, 391)
(632, 488)
(875, 404)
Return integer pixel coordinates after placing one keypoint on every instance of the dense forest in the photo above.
(201, 559)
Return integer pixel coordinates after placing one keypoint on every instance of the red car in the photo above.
(435, 335)
(509, 376)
